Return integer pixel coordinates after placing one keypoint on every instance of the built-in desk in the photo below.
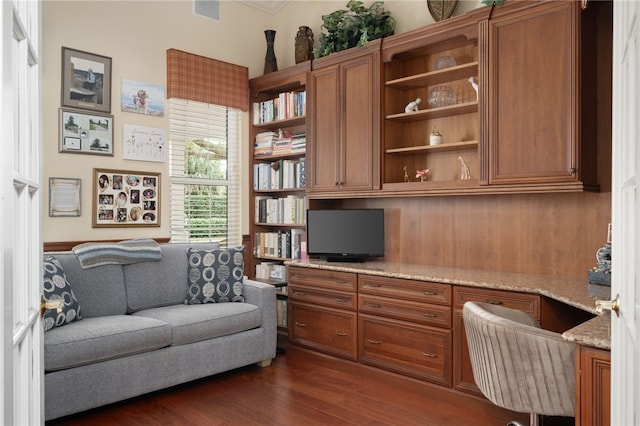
(593, 335)
(570, 291)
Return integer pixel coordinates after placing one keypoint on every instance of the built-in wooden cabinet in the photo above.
(405, 326)
(541, 94)
(433, 64)
(462, 371)
(593, 382)
(531, 120)
(322, 311)
(344, 121)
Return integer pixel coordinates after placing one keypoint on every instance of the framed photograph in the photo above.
(125, 198)
(64, 197)
(85, 133)
(142, 98)
(86, 80)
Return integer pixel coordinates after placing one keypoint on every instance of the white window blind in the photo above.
(204, 172)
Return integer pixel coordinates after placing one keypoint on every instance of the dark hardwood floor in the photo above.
(300, 388)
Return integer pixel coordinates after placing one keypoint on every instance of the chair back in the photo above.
(516, 364)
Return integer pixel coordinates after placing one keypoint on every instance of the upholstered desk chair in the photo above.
(516, 364)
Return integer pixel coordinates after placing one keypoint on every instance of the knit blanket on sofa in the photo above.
(118, 253)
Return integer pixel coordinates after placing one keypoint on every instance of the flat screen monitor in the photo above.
(345, 234)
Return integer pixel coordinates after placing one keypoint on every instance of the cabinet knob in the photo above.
(572, 170)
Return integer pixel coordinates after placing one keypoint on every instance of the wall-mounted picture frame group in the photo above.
(86, 80)
(125, 198)
(85, 133)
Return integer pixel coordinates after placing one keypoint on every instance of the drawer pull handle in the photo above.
(429, 293)
(428, 355)
(428, 315)
(299, 293)
(341, 300)
(341, 333)
(373, 305)
(301, 324)
(374, 285)
(375, 342)
(494, 302)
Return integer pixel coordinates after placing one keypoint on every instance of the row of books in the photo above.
(271, 271)
(280, 174)
(283, 210)
(282, 244)
(280, 143)
(281, 313)
(286, 105)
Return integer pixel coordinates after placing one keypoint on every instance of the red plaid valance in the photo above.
(197, 78)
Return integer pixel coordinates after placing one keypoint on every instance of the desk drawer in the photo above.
(324, 279)
(414, 350)
(423, 313)
(529, 303)
(418, 291)
(336, 299)
(327, 330)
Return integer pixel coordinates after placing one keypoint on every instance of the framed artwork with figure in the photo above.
(86, 80)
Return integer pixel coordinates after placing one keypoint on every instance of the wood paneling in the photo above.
(549, 234)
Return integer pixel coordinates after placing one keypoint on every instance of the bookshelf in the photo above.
(277, 194)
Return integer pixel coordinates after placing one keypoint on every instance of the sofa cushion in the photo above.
(193, 323)
(215, 276)
(163, 283)
(99, 290)
(99, 339)
(55, 286)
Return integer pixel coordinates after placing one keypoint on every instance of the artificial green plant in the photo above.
(353, 27)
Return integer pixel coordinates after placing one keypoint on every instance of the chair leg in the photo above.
(533, 421)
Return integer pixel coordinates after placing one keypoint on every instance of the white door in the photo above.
(21, 371)
(625, 338)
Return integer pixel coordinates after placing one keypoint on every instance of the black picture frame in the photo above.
(86, 80)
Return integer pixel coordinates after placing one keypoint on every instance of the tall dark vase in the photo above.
(270, 61)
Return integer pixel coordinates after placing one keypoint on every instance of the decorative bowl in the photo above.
(441, 96)
(445, 61)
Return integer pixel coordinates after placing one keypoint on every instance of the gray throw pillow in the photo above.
(215, 276)
(55, 286)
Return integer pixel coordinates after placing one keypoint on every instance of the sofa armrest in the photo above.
(264, 296)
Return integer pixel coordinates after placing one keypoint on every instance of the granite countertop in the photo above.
(571, 291)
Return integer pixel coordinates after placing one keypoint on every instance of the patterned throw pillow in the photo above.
(56, 287)
(215, 276)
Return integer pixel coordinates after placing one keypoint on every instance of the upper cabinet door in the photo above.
(323, 140)
(344, 121)
(533, 96)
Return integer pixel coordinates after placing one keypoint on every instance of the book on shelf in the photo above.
(280, 174)
(289, 210)
(281, 244)
(281, 313)
(286, 105)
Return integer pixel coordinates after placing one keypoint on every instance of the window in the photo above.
(204, 172)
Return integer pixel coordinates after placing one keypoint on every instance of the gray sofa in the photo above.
(137, 335)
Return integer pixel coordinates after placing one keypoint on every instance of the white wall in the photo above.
(136, 35)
